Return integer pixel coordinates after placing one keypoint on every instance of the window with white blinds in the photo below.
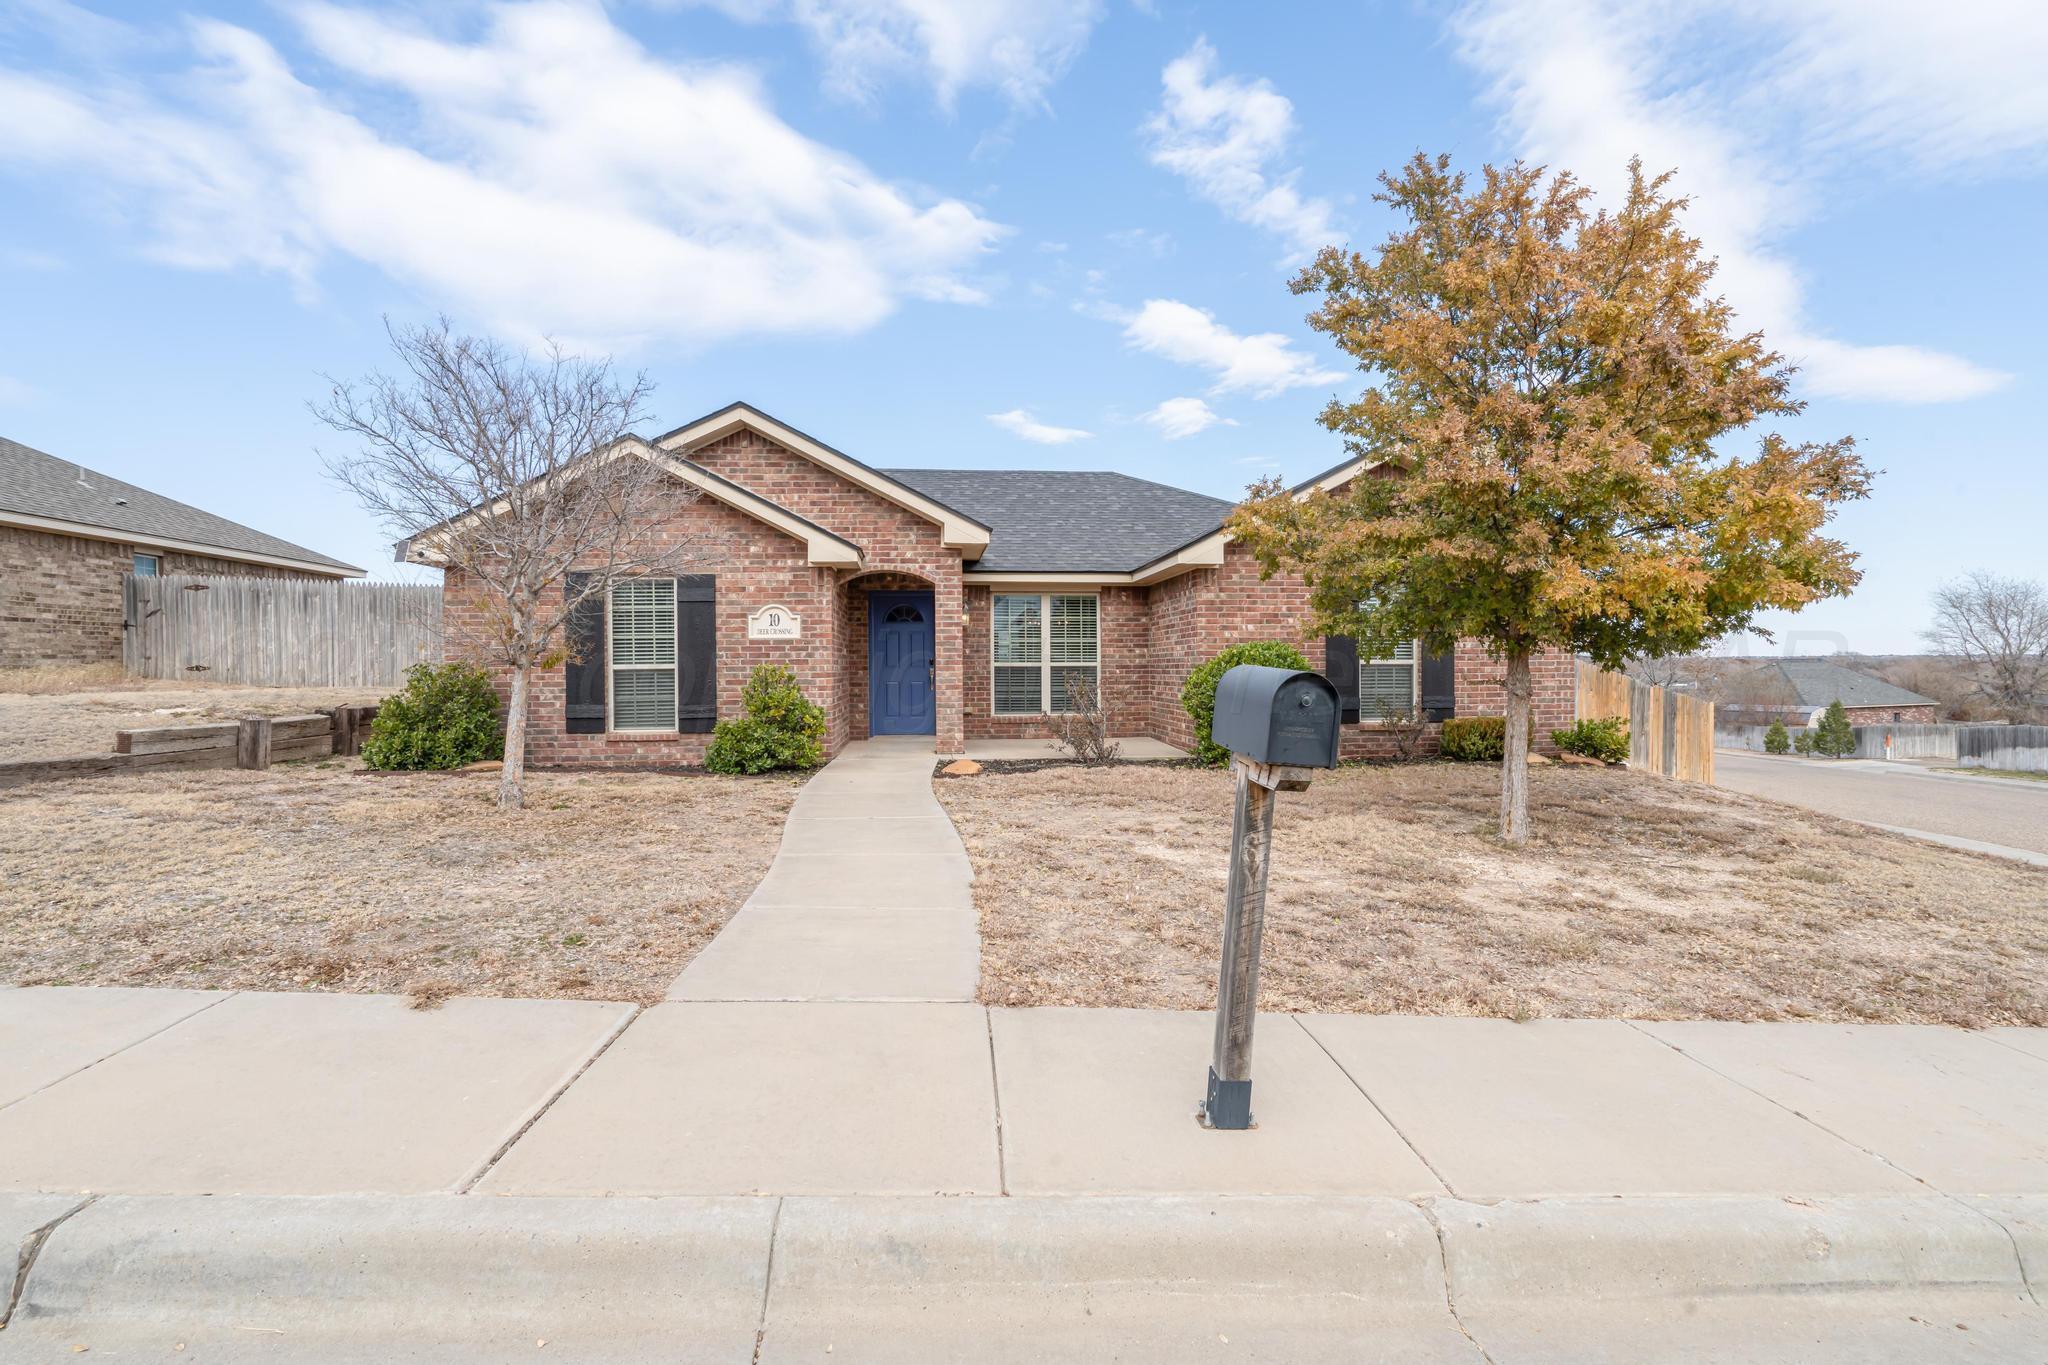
(643, 654)
(1042, 644)
(1386, 682)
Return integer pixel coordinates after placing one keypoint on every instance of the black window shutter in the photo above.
(696, 653)
(1439, 685)
(583, 675)
(1340, 666)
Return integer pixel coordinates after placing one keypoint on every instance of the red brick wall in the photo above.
(1123, 632)
(60, 596)
(1893, 715)
(893, 540)
(755, 565)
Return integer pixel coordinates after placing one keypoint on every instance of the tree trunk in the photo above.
(512, 779)
(1514, 766)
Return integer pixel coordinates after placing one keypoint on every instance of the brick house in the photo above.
(69, 537)
(954, 603)
(1798, 691)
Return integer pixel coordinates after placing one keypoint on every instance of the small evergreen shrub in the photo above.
(1605, 739)
(1802, 743)
(1776, 740)
(1475, 739)
(1835, 737)
(781, 728)
(1198, 693)
(447, 716)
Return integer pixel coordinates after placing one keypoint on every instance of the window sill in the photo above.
(640, 736)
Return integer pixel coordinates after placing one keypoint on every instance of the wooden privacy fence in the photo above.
(251, 742)
(279, 632)
(1669, 733)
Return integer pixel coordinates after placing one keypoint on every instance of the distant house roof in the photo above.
(39, 490)
(1817, 682)
(1070, 521)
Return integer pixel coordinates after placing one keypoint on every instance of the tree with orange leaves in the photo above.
(1548, 386)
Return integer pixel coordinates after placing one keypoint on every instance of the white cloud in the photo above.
(1223, 134)
(1264, 364)
(1585, 84)
(1021, 423)
(1019, 47)
(1180, 418)
(1947, 85)
(550, 175)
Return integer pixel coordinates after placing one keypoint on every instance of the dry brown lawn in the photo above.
(330, 878)
(1638, 897)
(64, 712)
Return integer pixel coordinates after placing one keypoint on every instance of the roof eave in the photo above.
(82, 530)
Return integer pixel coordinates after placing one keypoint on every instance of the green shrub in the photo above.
(1802, 743)
(1198, 693)
(1476, 739)
(1605, 739)
(1835, 737)
(446, 716)
(1776, 741)
(780, 729)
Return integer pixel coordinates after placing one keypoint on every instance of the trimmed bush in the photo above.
(1776, 740)
(1476, 739)
(1605, 739)
(1835, 737)
(781, 728)
(446, 717)
(1198, 693)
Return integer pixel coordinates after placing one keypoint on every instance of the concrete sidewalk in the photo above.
(218, 1166)
(867, 898)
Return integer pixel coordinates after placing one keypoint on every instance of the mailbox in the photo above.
(1280, 716)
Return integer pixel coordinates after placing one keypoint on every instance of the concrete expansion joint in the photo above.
(540, 1111)
(25, 1257)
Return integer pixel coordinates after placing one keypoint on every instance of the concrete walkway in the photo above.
(302, 1176)
(867, 898)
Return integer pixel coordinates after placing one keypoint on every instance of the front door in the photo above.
(900, 663)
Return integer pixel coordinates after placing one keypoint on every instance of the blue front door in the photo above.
(900, 663)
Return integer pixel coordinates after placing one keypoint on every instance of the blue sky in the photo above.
(1001, 233)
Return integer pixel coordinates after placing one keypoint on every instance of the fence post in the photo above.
(252, 742)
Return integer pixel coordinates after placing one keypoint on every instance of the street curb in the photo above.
(432, 1277)
(1167, 1279)
(1882, 1277)
(904, 1279)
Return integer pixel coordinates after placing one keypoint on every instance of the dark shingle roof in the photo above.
(36, 484)
(1818, 682)
(1073, 521)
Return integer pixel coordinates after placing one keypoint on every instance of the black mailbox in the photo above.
(1280, 716)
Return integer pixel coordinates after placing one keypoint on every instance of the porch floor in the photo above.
(1140, 748)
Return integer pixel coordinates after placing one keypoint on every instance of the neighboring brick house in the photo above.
(1808, 686)
(953, 603)
(69, 536)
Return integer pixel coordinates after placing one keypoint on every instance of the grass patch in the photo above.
(1638, 897)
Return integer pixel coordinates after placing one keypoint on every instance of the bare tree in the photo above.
(509, 471)
(1998, 627)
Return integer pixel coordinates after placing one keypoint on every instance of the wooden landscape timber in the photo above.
(253, 742)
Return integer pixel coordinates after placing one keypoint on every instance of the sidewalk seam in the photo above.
(995, 1085)
(618, 1032)
(138, 1042)
(25, 1257)
(768, 1279)
(1387, 1118)
(1427, 1208)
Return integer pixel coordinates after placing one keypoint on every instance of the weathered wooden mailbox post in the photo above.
(1278, 724)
